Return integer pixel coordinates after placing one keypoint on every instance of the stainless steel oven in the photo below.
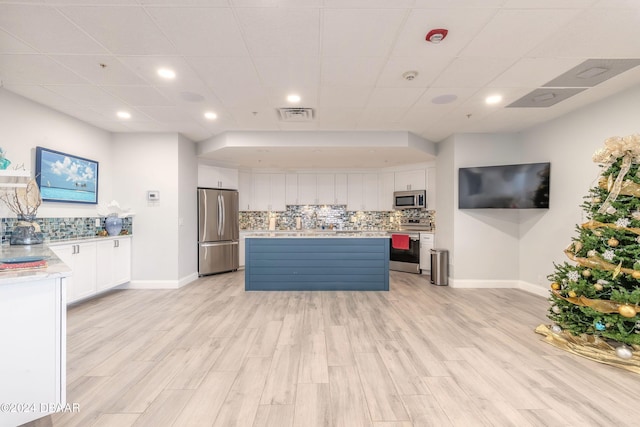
(407, 260)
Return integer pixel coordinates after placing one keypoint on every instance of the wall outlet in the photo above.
(97, 222)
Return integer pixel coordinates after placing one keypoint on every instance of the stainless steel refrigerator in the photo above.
(217, 231)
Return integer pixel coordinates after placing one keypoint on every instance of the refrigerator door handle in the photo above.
(219, 215)
(206, 245)
(224, 218)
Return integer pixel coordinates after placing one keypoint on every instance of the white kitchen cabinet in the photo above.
(427, 242)
(215, 177)
(307, 191)
(33, 357)
(269, 192)
(431, 188)
(325, 189)
(341, 192)
(241, 245)
(386, 183)
(362, 191)
(81, 258)
(410, 180)
(245, 191)
(291, 189)
(113, 265)
(96, 265)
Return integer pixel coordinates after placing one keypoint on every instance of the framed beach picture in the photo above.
(65, 178)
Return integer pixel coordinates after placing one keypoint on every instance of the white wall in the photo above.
(150, 161)
(447, 205)
(187, 210)
(486, 241)
(569, 142)
(26, 124)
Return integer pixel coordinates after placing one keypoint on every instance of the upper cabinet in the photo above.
(386, 183)
(307, 192)
(245, 191)
(214, 177)
(268, 192)
(322, 189)
(362, 191)
(431, 188)
(410, 180)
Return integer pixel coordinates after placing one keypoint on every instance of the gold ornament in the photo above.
(627, 311)
(555, 286)
(598, 287)
(597, 200)
(598, 233)
(586, 273)
(613, 242)
(572, 294)
(636, 274)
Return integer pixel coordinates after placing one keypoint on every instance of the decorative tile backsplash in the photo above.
(336, 216)
(64, 228)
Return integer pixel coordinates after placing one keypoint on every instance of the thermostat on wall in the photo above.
(153, 195)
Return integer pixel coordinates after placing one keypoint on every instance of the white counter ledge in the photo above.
(55, 267)
(315, 234)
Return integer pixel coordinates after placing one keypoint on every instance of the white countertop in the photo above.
(55, 269)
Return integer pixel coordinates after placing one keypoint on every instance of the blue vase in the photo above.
(113, 224)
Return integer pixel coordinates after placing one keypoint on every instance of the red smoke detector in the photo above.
(437, 35)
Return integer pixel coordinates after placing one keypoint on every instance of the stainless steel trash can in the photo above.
(439, 267)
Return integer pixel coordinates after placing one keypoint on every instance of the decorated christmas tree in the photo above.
(595, 298)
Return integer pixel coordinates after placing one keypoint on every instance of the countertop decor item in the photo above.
(113, 224)
(113, 214)
(24, 202)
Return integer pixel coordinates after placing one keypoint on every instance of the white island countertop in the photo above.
(55, 267)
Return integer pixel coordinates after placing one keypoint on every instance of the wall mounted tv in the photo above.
(65, 178)
(524, 186)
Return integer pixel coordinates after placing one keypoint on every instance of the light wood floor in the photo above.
(419, 355)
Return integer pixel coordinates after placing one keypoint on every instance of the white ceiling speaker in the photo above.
(410, 75)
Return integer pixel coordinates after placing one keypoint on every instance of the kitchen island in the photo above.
(33, 330)
(317, 261)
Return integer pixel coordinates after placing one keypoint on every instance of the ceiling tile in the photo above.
(458, 4)
(183, 3)
(354, 71)
(35, 69)
(533, 72)
(10, 44)
(360, 32)
(166, 114)
(549, 4)
(472, 72)
(308, 95)
(40, 95)
(513, 33)
(332, 97)
(380, 117)
(87, 95)
(280, 31)
(428, 69)
(110, 126)
(276, 3)
(88, 66)
(463, 25)
(394, 97)
(92, 2)
(288, 72)
(339, 117)
(35, 25)
(201, 31)
(595, 33)
(122, 30)
(147, 68)
(138, 95)
(368, 4)
(461, 94)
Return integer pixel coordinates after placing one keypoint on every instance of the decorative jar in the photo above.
(26, 231)
(113, 224)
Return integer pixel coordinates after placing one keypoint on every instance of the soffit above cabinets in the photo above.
(345, 58)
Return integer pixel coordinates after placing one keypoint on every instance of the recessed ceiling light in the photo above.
(293, 98)
(210, 115)
(166, 73)
(123, 114)
(493, 99)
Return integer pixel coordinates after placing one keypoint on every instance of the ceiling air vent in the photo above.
(296, 114)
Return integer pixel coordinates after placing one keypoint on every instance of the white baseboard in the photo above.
(160, 284)
(492, 284)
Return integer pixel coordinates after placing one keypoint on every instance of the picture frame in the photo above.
(66, 178)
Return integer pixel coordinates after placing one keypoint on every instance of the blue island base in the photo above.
(317, 264)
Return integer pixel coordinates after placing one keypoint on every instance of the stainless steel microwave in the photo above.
(416, 199)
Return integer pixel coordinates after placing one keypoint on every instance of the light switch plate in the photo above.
(153, 195)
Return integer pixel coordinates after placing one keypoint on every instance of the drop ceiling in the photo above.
(345, 58)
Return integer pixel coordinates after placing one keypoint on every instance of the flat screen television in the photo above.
(63, 177)
(524, 186)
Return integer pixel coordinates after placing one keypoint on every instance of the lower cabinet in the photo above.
(97, 265)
